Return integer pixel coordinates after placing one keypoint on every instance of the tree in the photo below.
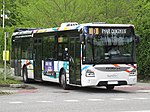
(142, 23)
(51, 13)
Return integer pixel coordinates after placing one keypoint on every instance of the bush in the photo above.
(9, 79)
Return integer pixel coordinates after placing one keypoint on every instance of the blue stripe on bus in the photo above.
(85, 68)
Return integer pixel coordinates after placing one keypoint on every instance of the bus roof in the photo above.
(80, 26)
(66, 26)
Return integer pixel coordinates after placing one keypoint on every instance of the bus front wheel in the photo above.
(63, 81)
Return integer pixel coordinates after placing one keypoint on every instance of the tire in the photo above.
(25, 75)
(63, 81)
(110, 87)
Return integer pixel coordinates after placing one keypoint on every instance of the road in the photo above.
(50, 97)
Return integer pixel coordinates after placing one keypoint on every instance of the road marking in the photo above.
(137, 111)
(143, 91)
(74, 100)
(71, 100)
(119, 99)
(141, 98)
(44, 101)
(96, 99)
(16, 102)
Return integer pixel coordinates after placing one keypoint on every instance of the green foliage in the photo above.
(142, 23)
(9, 80)
(51, 13)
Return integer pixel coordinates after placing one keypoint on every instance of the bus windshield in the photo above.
(109, 48)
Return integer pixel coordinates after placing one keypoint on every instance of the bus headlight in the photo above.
(133, 72)
(90, 73)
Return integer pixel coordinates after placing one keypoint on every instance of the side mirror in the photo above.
(137, 39)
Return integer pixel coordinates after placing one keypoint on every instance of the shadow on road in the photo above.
(99, 90)
(57, 86)
(46, 84)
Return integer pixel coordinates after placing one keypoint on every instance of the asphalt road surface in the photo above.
(50, 97)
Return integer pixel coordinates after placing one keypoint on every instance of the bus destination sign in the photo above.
(113, 31)
(108, 31)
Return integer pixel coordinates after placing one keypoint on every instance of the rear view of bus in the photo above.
(108, 55)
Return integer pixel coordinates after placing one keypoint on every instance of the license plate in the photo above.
(112, 82)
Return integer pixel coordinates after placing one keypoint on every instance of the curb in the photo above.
(23, 86)
(4, 85)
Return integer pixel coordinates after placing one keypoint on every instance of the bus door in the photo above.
(37, 58)
(17, 59)
(74, 61)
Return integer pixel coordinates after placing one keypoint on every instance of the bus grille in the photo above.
(111, 69)
(104, 83)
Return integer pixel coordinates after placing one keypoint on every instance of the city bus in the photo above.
(90, 54)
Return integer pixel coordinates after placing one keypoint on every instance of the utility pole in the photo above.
(4, 40)
(3, 15)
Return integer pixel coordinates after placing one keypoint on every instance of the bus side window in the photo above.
(48, 46)
(62, 48)
(65, 54)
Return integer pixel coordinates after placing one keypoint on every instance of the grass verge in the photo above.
(9, 80)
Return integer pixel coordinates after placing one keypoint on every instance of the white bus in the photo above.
(92, 54)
